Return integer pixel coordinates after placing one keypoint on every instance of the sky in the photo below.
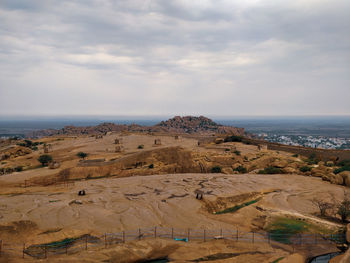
(178, 57)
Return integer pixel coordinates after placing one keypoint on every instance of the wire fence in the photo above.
(88, 242)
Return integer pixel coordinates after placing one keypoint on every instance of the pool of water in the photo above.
(324, 258)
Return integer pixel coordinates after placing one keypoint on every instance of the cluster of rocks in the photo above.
(14, 152)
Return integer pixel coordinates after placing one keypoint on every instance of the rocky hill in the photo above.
(188, 124)
(201, 124)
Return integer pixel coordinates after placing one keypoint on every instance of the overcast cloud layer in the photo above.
(182, 57)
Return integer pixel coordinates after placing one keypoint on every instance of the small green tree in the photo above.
(82, 155)
(45, 159)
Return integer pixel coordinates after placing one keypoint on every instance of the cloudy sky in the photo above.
(175, 57)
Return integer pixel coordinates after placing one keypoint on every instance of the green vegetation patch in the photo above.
(305, 169)
(271, 170)
(277, 260)
(216, 169)
(282, 229)
(237, 207)
(344, 166)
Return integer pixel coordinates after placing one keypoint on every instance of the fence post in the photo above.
(172, 233)
(253, 237)
(45, 249)
(67, 249)
(24, 247)
(315, 238)
(221, 235)
(139, 233)
(86, 241)
(0, 248)
(188, 234)
(105, 240)
(237, 234)
(204, 235)
(268, 237)
(123, 236)
(155, 232)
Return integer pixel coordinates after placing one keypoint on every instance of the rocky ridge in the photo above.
(187, 124)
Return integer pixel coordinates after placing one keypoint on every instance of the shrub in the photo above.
(141, 146)
(233, 138)
(271, 170)
(19, 168)
(241, 169)
(305, 169)
(344, 163)
(342, 169)
(151, 166)
(237, 152)
(216, 169)
(45, 159)
(295, 155)
(312, 159)
(227, 149)
(82, 155)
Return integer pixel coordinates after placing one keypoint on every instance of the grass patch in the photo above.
(237, 207)
(282, 229)
(277, 260)
(271, 170)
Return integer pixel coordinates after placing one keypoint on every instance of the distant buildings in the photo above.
(310, 141)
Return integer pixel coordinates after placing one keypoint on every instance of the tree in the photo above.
(344, 208)
(82, 155)
(45, 159)
(323, 206)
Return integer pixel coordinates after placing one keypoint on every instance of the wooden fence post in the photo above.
(45, 249)
(188, 234)
(172, 233)
(155, 232)
(123, 236)
(67, 249)
(237, 234)
(253, 237)
(221, 235)
(0, 248)
(86, 241)
(204, 235)
(24, 248)
(105, 240)
(139, 233)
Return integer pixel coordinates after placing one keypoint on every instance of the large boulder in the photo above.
(346, 177)
(333, 178)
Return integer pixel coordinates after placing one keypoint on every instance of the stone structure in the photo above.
(262, 147)
(157, 142)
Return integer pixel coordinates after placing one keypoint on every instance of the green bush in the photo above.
(237, 152)
(216, 169)
(45, 159)
(82, 155)
(141, 146)
(233, 138)
(271, 170)
(305, 169)
(344, 163)
(295, 155)
(19, 168)
(342, 169)
(312, 159)
(151, 166)
(241, 169)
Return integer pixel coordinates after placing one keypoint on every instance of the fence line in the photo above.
(85, 242)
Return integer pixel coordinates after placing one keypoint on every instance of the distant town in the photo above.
(309, 141)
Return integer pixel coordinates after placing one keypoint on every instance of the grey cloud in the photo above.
(218, 57)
